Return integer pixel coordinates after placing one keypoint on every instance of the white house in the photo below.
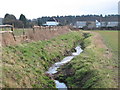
(98, 24)
(51, 22)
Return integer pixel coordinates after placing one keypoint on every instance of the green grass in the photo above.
(111, 40)
(91, 69)
(24, 65)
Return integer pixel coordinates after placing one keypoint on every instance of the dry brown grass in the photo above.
(33, 35)
(45, 34)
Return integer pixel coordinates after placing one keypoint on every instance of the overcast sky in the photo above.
(38, 8)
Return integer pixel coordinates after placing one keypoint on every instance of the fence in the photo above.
(34, 34)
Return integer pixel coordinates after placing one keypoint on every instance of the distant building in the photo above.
(80, 24)
(98, 24)
(109, 23)
(112, 24)
(1, 21)
(87, 24)
(51, 22)
(91, 24)
(94, 24)
(103, 24)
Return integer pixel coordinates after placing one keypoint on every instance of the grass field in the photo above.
(111, 40)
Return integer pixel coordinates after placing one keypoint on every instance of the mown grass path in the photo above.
(110, 38)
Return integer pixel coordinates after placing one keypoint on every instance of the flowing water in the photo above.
(52, 70)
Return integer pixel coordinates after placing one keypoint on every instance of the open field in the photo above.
(111, 40)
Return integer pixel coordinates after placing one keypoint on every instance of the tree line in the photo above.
(23, 22)
(70, 20)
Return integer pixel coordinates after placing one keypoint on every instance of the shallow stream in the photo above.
(52, 70)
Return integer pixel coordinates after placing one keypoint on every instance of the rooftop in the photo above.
(52, 19)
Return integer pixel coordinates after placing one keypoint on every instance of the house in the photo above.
(51, 22)
(87, 24)
(98, 24)
(103, 24)
(1, 21)
(109, 23)
(91, 24)
(112, 24)
(80, 24)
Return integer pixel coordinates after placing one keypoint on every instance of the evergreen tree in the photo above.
(23, 19)
(9, 19)
(6, 15)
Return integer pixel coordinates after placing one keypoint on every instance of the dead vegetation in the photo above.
(44, 33)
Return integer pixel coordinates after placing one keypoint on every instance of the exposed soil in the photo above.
(8, 38)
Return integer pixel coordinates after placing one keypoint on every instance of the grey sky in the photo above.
(37, 8)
